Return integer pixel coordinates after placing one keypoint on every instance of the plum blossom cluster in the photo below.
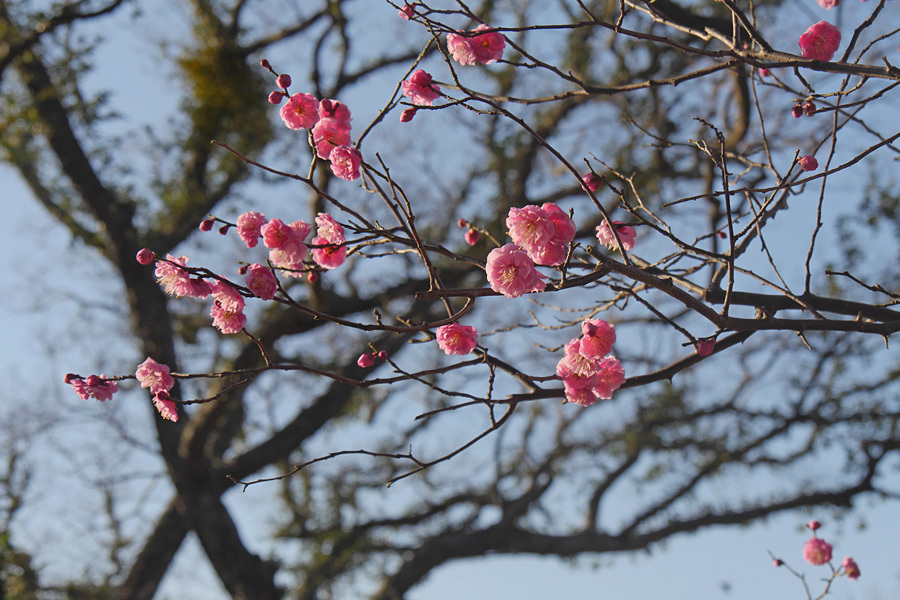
(486, 48)
(155, 376)
(817, 551)
(286, 242)
(541, 236)
(329, 123)
(588, 370)
(92, 386)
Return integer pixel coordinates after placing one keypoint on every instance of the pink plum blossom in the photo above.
(577, 362)
(610, 377)
(486, 48)
(300, 112)
(626, 233)
(851, 569)
(248, 227)
(529, 227)
(808, 163)
(276, 234)
(345, 162)
(261, 281)
(332, 109)
(597, 339)
(155, 376)
(328, 255)
(329, 229)
(328, 134)
(457, 339)
(419, 89)
(407, 12)
(165, 406)
(93, 387)
(172, 274)
(226, 318)
(814, 525)
(828, 4)
(816, 551)
(228, 297)
(511, 273)
(285, 242)
(820, 41)
(578, 388)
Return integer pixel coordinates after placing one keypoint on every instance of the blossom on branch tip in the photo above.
(706, 347)
(591, 181)
(276, 97)
(511, 273)
(814, 525)
(797, 111)
(820, 41)
(828, 4)
(808, 163)
(407, 12)
(261, 281)
(207, 224)
(366, 360)
(543, 232)
(597, 338)
(472, 236)
(283, 81)
(817, 551)
(165, 406)
(626, 233)
(300, 112)
(328, 134)
(227, 318)
(93, 387)
(345, 162)
(328, 255)
(407, 115)
(332, 109)
(172, 274)
(851, 569)
(454, 338)
(419, 89)
(155, 376)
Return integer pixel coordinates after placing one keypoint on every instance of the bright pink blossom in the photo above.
(814, 525)
(248, 227)
(407, 12)
(597, 338)
(300, 112)
(626, 233)
(328, 255)
(808, 163)
(145, 256)
(511, 273)
(94, 387)
(828, 4)
(328, 134)
(851, 569)
(155, 376)
(419, 89)
(820, 41)
(579, 388)
(165, 406)
(577, 362)
(366, 360)
(345, 162)
(610, 377)
(228, 296)
(543, 232)
(486, 48)
(457, 339)
(291, 251)
(817, 551)
(261, 281)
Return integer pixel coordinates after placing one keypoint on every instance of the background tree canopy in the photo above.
(684, 110)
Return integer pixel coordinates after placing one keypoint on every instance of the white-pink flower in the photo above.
(94, 387)
(261, 281)
(226, 318)
(155, 376)
(817, 551)
(165, 406)
(328, 134)
(419, 89)
(457, 339)
(610, 376)
(172, 274)
(511, 273)
(543, 232)
(486, 48)
(327, 227)
(597, 339)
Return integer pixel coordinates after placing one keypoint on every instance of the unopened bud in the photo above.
(145, 256)
(243, 269)
(797, 111)
(276, 97)
(592, 181)
(472, 236)
(223, 230)
(265, 64)
(814, 525)
(809, 108)
(383, 355)
(207, 224)
(366, 360)
(407, 115)
(283, 81)
(70, 377)
(312, 277)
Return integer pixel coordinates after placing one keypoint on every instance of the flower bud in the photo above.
(312, 277)
(706, 347)
(814, 525)
(797, 111)
(276, 97)
(223, 230)
(145, 256)
(265, 64)
(407, 115)
(472, 236)
(206, 224)
(283, 81)
(809, 163)
(70, 377)
(366, 360)
(383, 355)
(809, 108)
